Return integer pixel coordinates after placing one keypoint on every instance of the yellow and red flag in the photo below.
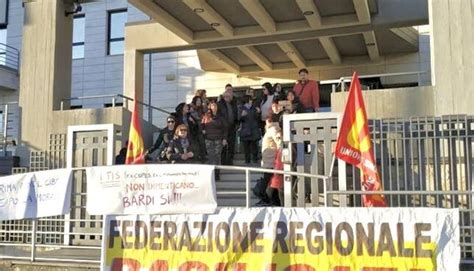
(135, 148)
(354, 146)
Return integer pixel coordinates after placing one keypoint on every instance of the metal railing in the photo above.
(422, 161)
(341, 82)
(4, 138)
(117, 100)
(114, 98)
(33, 248)
(9, 57)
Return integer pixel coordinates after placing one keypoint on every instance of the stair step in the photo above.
(235, 202)
(233, 185)
(237, 177)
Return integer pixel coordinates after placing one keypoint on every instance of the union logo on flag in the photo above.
(354, 146)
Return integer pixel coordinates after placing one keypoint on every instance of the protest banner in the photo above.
(151, 189)
(322, 239)
(35, 194)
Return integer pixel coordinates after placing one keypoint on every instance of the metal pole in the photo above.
(325, 194)
(150, 113)
(247, 188)
(5, 130)
(33, 241)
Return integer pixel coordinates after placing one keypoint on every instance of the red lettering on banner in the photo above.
(299, 267)
(379, 269)
(227, 267)
(119, 264)
(193, 266)
(159, 265)
(129, 264)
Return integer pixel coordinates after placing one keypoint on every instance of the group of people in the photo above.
(205, 131)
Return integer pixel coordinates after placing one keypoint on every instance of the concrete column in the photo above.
(133, 76)
(142, 37)
(45, 74)
(452, 54)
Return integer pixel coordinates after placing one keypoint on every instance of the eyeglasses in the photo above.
(183, 130)
(171, 121)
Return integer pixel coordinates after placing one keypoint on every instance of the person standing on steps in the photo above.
(249, 131)
(228, 110)
(266, 105)
(307, 92)
(214, 129)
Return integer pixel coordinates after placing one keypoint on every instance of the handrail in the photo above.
(145, 104)
(344, 79)
(10, 57)
(265, 170)
(247, 171)
(11, 47)
(113, 96)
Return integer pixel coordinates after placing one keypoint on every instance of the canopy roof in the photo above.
(264, 36)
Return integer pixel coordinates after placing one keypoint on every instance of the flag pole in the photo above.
(328, 181)
(331, 169)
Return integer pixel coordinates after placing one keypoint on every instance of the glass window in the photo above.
(3, 42)
(3, 13)
(78, 36)
(116, 35)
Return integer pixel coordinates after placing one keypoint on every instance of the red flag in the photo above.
(354, 145)
(135, 148)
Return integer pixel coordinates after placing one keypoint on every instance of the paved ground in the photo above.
(49, 259)
(40, 266)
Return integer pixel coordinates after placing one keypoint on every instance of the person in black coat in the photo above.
(180, 149)
(228, 111)
(184, 116)
(163, 140)
(122, 156)
(249, 131)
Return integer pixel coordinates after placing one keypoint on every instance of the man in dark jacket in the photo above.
(228, 111)
(122, 156)
(164, 138)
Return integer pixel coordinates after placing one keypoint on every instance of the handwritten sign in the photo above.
(151, 189)
(35, 194)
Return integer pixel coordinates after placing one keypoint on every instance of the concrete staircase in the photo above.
(232, 181)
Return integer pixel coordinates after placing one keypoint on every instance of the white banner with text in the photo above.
(35, 194)
(310, 239)
(151, 189)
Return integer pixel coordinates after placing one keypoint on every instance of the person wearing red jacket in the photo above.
(307, 91)
(275, 186)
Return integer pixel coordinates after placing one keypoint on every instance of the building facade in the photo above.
(97, 67)
(170, 77)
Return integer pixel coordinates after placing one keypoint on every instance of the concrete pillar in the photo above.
(133, 76)
(142, 37)
(452, 55)
(45, 74)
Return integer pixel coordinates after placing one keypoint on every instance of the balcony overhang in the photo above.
(264, 37)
